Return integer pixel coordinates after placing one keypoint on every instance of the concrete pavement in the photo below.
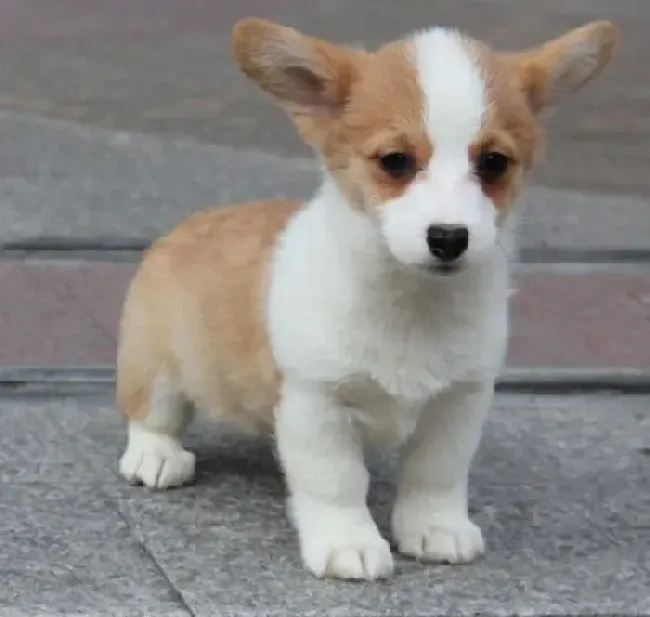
(561, 488)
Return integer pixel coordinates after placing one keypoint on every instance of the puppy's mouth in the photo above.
(443, 269)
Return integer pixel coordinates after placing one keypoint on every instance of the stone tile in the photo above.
(548, 506)
(71, 439)
(565, 535)
(66, 549)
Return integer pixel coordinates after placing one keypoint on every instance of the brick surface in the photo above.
(43, 321)
(67, 314)
(593, 320)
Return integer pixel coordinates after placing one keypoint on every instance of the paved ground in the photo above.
(561, 488)
(118, 118)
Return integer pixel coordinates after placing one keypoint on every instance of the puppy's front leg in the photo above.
(327, 480)
(430, 519)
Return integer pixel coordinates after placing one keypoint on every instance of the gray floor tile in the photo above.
(561, 487)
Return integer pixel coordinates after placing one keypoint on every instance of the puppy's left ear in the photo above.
(558, 69)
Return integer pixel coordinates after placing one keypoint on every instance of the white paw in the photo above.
(339, 542)
(449, 544)
(453, 540)
(348, 557)
(157, 461)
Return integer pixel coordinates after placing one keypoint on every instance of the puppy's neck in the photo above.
(347, 227)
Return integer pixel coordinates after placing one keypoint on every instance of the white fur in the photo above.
(154, 455)
(371, 352)
(373, 348)
(447, 193)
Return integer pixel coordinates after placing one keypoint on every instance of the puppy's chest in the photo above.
(393, 377)
(381, 418)
(413, 362)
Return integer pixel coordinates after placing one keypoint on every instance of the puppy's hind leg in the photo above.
(155, 456)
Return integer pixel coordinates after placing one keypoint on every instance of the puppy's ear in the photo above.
(304, 74)
(558, 69)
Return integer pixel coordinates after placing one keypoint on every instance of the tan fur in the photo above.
(352, 105)
(509, 127)
(382, 116)
(193, 315)
(548, 73)
(362, 104)
(522, 85)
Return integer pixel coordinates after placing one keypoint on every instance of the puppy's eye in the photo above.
(491, 166)
(397, 165)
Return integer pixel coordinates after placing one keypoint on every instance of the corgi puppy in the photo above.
(374, 314)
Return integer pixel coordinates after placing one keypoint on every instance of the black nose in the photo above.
(447, 242)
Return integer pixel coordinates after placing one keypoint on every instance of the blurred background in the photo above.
(120, 117)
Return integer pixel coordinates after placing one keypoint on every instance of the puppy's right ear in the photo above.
(305, 75)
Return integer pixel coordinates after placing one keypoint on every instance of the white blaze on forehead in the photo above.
(453, 89)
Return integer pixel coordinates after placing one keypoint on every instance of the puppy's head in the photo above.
(429, 137)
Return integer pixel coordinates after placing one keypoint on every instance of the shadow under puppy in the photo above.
(374, 313)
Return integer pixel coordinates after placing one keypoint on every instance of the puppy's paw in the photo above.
(455, 544)
(348, 558)
(438, 539)
(339, 542)
(157, 461)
